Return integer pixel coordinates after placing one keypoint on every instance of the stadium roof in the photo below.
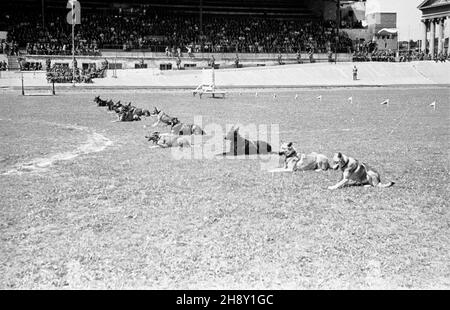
(262, 7)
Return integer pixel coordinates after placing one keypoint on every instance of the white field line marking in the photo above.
(95, 143)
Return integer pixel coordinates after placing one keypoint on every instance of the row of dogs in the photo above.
(130, 113)
(354, 172)
(125, 112)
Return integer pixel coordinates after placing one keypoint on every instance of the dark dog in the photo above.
(100, 102)
(242, 146)
(113, 106)
(154, 137)
(179, 128)
(127, 114)
(162, 118)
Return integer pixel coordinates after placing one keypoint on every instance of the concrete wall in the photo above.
(388, 43)
(306, 75)
(378, 21)
(154, 60)
(356, 34)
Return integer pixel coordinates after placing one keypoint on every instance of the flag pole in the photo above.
(338, 22)
(73, 43)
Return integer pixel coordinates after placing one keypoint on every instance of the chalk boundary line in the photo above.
(94, 143)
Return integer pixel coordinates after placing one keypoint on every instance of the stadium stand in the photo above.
(159, 29)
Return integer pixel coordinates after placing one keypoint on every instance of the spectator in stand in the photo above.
(3, 66)
(189, 51)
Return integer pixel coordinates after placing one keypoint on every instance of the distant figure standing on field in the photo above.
(299, 57)
(355, 73)
(280, 59)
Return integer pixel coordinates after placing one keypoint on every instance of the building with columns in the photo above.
(435, 21)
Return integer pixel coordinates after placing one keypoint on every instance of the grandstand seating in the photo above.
(160, 28)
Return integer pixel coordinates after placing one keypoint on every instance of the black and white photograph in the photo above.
(224, 145)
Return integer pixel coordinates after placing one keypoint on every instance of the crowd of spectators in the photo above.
(58, 49)
(154, 30)
(10, 48)
(25, 31)
(376, 55)
(392, 56)
(62, 73)
(3, 65)
(29, 66)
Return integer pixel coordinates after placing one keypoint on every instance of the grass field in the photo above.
(131, 216)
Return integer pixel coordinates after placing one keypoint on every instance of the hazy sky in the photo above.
(408, 16)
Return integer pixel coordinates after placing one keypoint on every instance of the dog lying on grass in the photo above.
(128, 116)
(290, 155)
(141, 112)
(179, 128)
(100, 102)
(154, 137)
(313, 161)
(129, 113)
(295, 162)
(242, 146)
(113, 106)
(121, 109)
(162, 118)
(168, 140)
(356, 173)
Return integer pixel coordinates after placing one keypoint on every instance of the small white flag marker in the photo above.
(350, 100)
(296, 96)
(256, 94)
(319, 97)
(433, 105)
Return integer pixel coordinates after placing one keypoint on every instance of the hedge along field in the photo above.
(127, 215)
